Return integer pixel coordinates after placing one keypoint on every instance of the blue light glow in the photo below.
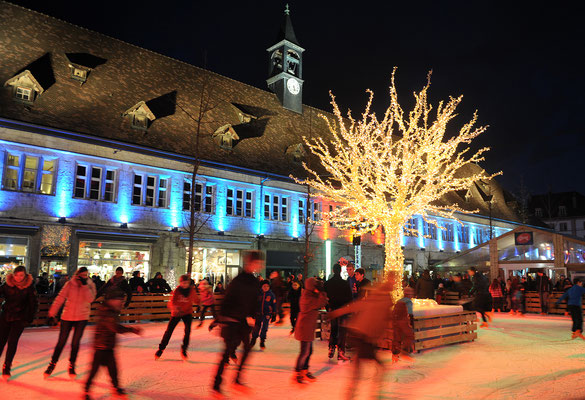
(421, 232)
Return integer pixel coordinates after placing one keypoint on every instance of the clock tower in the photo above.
(285, 71)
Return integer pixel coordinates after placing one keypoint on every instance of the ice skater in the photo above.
(105, 339)
(240, 304)
(77, 295)
(19, 309)
(206, 301)
(339, 294)
(402, 326)
(575, 296)
(313, 298)
(482, 302)
(181, 304)
(294, 296)
(266, 313)
(371, 317)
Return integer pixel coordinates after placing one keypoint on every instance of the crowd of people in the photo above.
(358, 311)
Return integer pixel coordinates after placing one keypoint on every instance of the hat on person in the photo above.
(264, 282)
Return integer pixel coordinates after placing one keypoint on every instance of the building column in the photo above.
(494, 262)
(559, 250)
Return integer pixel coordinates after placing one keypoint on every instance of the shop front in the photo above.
(102, 253)
(218, 261)
(13, 252)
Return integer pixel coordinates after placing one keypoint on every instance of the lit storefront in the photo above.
(219, 261)
(103, 257)
(13, 252)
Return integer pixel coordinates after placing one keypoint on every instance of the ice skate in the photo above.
(262, 344)
(184, 355)
(484, 325)
(342, 357)
(577, 334)
(240, 387)
(298, 377)
(71, 371)
(120, 393)
(6, 372)
(309, 377)
(331, 352)
(158, 354)
(49, 370)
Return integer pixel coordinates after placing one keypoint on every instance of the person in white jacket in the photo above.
(77, 295)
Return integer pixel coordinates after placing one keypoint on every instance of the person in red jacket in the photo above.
(181, 305)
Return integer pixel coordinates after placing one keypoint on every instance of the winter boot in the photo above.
(184, 355)
(158, 354)
(310, 377)
(342, 357)
(262, 344)
(6, 371)
(71, 371)
(331, 352)
(49, 369)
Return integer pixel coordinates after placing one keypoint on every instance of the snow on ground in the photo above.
(517, 357)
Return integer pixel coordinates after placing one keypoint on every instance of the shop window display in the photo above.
(102, 258)
(13, 252)
(218, 265)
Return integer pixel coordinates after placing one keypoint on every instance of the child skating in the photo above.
(181, 305)
(265, 314)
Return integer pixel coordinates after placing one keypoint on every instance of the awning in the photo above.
(18, 229)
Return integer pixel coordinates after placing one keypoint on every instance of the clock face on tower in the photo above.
(293, 86)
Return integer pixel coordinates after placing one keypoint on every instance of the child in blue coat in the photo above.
(574, 296)
(266, 313)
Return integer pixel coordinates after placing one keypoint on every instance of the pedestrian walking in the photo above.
(181, 305)
(18, 310)
(266, 313)
(105, 339)
(313, 298)
(75, 298)
(574, 297)
(239, 304)
(339, 294)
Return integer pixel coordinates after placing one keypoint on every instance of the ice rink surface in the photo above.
(528, 357)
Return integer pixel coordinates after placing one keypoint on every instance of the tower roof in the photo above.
(286, 29)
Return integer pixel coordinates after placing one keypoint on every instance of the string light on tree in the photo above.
(384, 171)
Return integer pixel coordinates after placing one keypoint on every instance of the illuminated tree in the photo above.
(384, 171)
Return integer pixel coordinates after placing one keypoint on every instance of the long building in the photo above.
(98, 141)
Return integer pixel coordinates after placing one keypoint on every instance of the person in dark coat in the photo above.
(42, 285)
(362, 282)
(482, 301)
(117, 281)
(239, 304)
(106, 328)
(219, 288)
(543, 287)
(425, 288)
(339, 294)
(18, 310)
(137, 283)
(158, 284)
(574, 298)
(266, 312)
(278, 288)
(294, 296)
(313, 298)
(98, 282)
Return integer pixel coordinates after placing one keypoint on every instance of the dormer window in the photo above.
(78, 73)
(23, 93)
(225, 136)
(25, 88)
(140, 116)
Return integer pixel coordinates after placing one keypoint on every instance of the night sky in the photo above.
(519, 65)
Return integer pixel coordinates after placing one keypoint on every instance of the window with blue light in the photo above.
(151, 190)
(410, 228)
(204, 200)
(29, 173)
(316, 210)
(447, 232)
(93, 182)
(239, 202)
(463, 233)
(430, 230)
(276, 207)
(302, 211)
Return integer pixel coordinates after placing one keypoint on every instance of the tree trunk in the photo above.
(394, 259)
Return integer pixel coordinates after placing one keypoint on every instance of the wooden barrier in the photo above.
(533, 303)
(150, 307)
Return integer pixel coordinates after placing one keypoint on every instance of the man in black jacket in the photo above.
(339, 294)
(239, 304)
(362, 282)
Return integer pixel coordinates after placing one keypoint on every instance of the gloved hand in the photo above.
(51, 321)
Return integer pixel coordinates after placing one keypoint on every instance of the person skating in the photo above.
(370, 318)
(575, 296)
(402, 326)
(118, 281)
(339, 294)
(106, 328)
(181, 305)
(278, 288)
(77, 295)
(482, 301)
(239, 304)
(206, 300)
(19, 309)
(266, 313)
(313, 298)
(294, 296)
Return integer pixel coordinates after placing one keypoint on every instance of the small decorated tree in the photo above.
(384, 171)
